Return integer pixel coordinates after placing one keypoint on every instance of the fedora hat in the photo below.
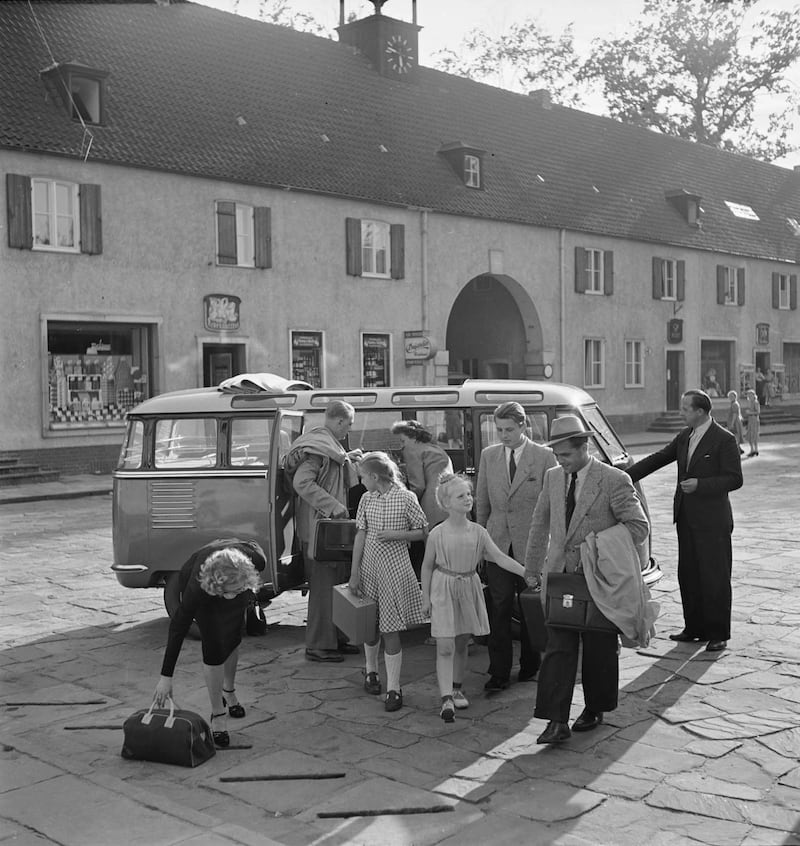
(566, 427)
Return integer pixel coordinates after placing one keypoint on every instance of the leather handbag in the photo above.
(333, 539)
(569, 605)
(168, 736)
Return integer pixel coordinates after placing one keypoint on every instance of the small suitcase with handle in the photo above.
(168, 736)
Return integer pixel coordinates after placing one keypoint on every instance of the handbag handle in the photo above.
(169, 722)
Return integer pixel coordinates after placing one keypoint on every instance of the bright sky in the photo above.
(445, 22)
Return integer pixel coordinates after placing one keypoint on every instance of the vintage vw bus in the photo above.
(206, 463)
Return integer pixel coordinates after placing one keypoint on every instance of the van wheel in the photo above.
(172, 600)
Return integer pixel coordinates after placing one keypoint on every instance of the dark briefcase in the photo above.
(168, 736)
(333, 540)
(532, 610)
(569, 605)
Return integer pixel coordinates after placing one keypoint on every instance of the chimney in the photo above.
(542, 97)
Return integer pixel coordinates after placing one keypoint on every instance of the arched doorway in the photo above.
(493, 331)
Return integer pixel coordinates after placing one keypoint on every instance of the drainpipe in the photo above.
(562, 286)
(423, 231)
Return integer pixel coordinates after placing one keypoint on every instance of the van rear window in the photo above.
(186, 442)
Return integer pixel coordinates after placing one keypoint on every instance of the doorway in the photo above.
(674, 379)
(221, 361)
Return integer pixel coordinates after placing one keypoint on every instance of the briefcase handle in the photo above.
(169, 722)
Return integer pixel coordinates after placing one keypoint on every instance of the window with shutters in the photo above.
(730, 285)
(634, 364)
(669, 279)
(243, 235)
(594, 271)
(56, 216)
(784, 291)
(594, 363)
(374, 248)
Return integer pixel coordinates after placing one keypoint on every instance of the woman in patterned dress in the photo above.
(452, 590)
(389, 517)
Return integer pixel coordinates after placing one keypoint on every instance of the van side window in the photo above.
(186, 442)
(250, 441)
(536, 429)
(130, 457)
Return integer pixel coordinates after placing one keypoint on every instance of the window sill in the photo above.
(46, 248)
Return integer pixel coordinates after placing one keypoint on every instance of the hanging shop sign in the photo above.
(418, 347)
(675, 330)
(221, 312)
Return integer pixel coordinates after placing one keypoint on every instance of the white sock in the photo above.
(394, 664)
(371, 656)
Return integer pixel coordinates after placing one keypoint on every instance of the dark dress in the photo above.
(219, 619)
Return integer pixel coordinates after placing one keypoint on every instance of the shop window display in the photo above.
(93, 382)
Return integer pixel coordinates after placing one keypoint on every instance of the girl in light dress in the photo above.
(388, 519)
(451, 589)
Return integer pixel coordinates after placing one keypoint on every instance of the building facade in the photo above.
(191, 195)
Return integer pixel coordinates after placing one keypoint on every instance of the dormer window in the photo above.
(82, 90)
(472, 171)
(687, 204)
(466, 161)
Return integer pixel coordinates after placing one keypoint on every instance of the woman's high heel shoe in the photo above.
(221, 738)
(236, 711)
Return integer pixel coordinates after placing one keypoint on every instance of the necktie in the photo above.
(571, 497)
(512, 466)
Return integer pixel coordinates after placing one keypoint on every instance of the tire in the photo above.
(172, 601)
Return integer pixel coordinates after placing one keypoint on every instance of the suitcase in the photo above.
(333, 539)
(354, 615)
(569, 605)
(168, 736)
(532, 610)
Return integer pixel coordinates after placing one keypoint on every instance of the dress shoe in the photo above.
(348, 649)
(588, 720)
(554, 733)
(328, 655)
(716, 645)
(526, 675)
(495, 684)
(394, 700)
(372, 684)
(684, 637)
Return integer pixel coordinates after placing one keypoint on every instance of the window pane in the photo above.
(130, 457)
(63, 199)
(535, 429)
(66, 231)
(185, 443)
(250, 441)
(41, 196)
(41, 229)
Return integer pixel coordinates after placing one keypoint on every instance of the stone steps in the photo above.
(671, 421)
(13, 472)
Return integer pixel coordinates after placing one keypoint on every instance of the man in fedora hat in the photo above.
(510, 477)
(580, 496)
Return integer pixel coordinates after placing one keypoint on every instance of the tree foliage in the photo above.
(281, 13)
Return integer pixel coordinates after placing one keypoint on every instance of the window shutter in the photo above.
(793, 291)
(580, 270)
(681, 286)
(658, 278)
(20, 212)
(608, 272)
(397, 241)
(740, 285)
(776, 290)
(91, 219)
(720, 284)
(353, 245)
(226, 233)
(262, 235)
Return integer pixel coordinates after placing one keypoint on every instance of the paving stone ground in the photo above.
(703, 748)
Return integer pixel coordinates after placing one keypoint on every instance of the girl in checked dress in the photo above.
(452, 591)
(389, 517)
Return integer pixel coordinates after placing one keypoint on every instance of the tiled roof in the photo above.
(198, 91)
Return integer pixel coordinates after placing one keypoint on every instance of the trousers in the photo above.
(322, 576)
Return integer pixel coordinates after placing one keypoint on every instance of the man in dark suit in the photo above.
(510, 478)
(709, 467)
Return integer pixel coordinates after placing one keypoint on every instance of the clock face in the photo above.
(399, 54)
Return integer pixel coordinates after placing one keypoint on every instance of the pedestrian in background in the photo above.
(322, 472)
(389, 518)
(735, 419)
(510, 477)
(452, 590)
(752, 416)
(216, 585)
(709, 467)
(581, 496)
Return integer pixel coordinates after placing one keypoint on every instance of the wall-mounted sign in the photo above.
(221, 312)
(762, 334)
(675, 330)
(418, 347)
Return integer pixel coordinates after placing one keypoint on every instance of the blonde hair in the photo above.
(732, 395)
(446, 481)
(382, 465)
(228, 571)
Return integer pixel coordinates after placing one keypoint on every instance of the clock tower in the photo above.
(390, 44)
